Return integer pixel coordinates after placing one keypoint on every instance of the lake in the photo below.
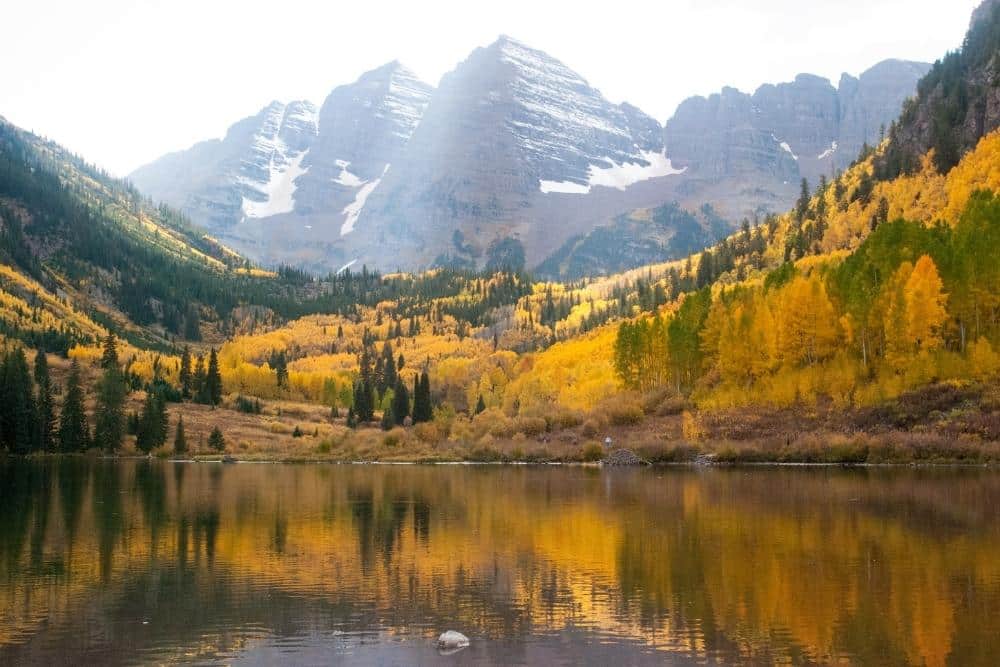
(149, 562)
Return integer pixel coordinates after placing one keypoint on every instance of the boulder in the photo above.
(452, 640)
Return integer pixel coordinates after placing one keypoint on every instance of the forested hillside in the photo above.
(870, 312)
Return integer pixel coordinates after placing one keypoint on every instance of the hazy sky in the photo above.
(124, 81)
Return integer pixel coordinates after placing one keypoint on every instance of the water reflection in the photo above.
(146, 561)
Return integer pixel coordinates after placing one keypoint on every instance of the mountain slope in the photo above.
(283, 185)
(957, 103)
(76, 237)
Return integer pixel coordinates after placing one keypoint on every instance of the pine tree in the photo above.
(45, 404)
(400, 402)
(73, 429)
(198, 384)
(213, 380)
(388, 420)
(18, 425)
(109, 357)
(278, 362)
(192, 324)
(480, 405)
(706, 271)
(180, 441)
(153, 423)
(802, 206)
(109, 414)
(185, 373)
(364, 402)
(422, 411)
(388, 367)
(216, 440)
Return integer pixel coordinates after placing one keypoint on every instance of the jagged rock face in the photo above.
(251, 172)
(506, 127)
(282, 184)
(958, 102)
(364, 126)
(513, 147)
(753, 147)
(866, 103)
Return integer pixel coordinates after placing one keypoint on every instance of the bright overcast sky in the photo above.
(123, 81)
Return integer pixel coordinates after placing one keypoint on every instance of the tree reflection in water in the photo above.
(151, 561)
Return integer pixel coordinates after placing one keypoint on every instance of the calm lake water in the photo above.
(151, 562)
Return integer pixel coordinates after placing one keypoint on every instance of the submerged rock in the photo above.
(623, 457)
(452, 640)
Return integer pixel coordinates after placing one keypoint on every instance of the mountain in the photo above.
(957, 103)
(507, 129)
(284, 184)
(513, 150)
(749, 152)
(249, 173)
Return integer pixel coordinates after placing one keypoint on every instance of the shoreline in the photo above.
(568, 464)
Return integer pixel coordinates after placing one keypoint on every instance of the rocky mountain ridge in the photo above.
(512, 146)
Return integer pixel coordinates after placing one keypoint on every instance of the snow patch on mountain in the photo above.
(621, 176)
(563, 187)
(647, 165)
(353, 210)
(785, 147)
(828, 152)
(345, 177)
(279, 191)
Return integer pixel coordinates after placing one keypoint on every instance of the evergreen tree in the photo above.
(422, 410)
(109, 414)
(45, 404)
(18, 425)
(109, 357)
(388, 367)
(198, 384)
(152, 423)
(180, 441)
(213, 380)
(480, 405)
(192, 324)
(73, 430)
(388, 420)
(278, 362)
(185, 377)
(216, 440)
(364, 402)
(706, 271)
(400, 402)
(802, 206)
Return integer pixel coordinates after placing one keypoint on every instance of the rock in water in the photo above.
(623, 457)
(452, 640)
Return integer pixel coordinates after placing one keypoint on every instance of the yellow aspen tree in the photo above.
(809, 324)
(925, 306)
(895, 317)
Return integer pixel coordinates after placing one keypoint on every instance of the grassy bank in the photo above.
(941, 423)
